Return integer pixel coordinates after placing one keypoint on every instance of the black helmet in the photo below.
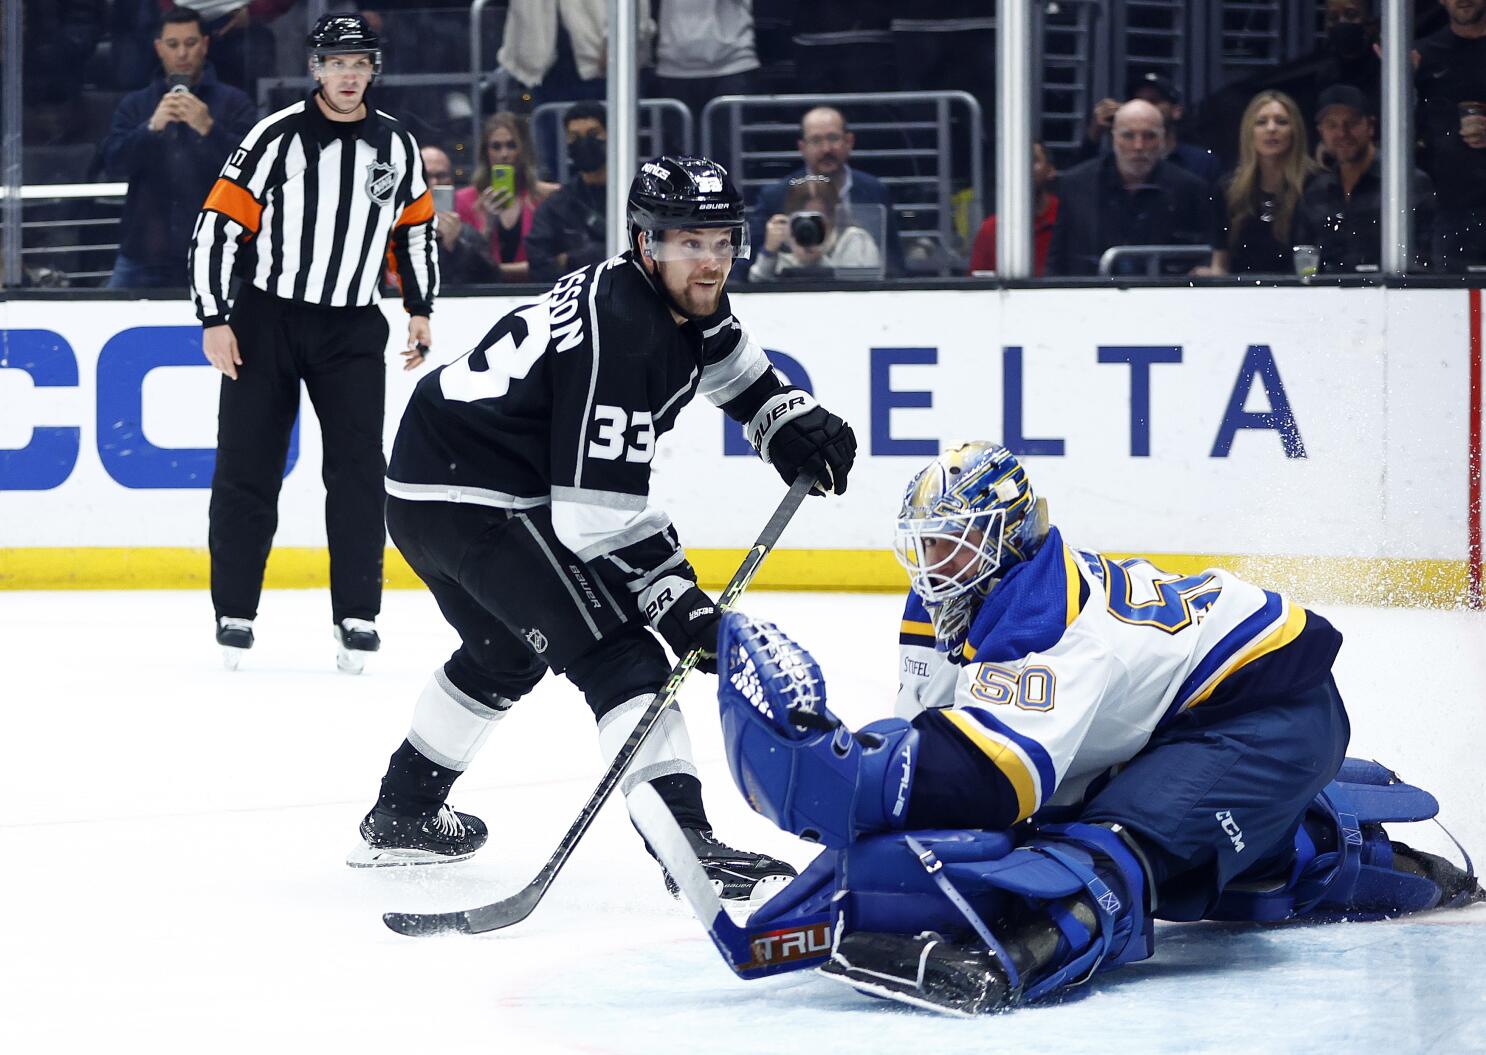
(671, 193)
(344, 34)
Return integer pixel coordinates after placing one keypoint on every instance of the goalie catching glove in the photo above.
(791, 757)
(794, 433)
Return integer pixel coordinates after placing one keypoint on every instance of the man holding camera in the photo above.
(168, 140)
(825, 147)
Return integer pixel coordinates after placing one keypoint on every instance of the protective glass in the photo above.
(722, 243)
(947, 555)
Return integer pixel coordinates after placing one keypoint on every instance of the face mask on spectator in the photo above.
(1347, 39)
(588, 153)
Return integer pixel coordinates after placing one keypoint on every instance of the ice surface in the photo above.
(172, 840)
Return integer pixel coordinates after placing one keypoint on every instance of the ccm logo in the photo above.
(1231, 829)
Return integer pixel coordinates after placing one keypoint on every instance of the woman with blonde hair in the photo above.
(1262, 194)
(504, 214)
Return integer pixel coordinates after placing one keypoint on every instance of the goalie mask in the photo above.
(967, 518)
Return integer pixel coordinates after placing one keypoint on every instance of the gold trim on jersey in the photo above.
(1005, 758)
(1283, 632)
(1073, 580)
(918, 629)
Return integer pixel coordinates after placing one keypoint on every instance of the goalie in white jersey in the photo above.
(1083, 745)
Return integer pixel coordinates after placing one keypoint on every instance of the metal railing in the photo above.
(936, 183)
(107, 193)
(1153, 256)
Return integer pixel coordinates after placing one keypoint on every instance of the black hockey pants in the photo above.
(339, 355)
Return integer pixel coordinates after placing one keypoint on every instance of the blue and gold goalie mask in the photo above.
(967, 518)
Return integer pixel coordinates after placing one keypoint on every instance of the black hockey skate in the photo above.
(925, 971)
(1458, 887)
(736, 874)
(403, 839)
(354, 638)
(236, 637)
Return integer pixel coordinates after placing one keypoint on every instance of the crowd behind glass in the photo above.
(1277, 174)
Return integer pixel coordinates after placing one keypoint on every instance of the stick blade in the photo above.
(490, 917)
(421, 924)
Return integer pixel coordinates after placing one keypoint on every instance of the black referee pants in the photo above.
(339, 355)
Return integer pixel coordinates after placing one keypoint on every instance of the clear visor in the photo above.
(721, 243)
(946, 556)
(364, 63)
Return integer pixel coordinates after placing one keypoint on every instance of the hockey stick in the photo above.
(751, 952)
(516, 908)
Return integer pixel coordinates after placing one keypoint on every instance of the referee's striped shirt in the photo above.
(307, 208)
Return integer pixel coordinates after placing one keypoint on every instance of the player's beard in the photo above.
(697, 302)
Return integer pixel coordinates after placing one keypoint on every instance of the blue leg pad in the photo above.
(1352, 872)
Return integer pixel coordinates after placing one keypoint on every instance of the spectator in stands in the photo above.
(169, 140)
(1162, 93)
(813, 238)
(557, 52)
(844, 46)
(504, 215)
(568, 230)
(1451, 83)
(1344, 205)
(704, 48)
(242, 44)
(463, 251)
(825, 145)
(1346, 55)
(1132, 196)
(1044, 218)
(1263, 193)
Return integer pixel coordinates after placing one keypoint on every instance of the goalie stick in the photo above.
(517, 907)
(751, 952)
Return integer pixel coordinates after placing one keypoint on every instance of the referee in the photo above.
(302, 217)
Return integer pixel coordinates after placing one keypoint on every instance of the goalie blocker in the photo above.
(967, 921)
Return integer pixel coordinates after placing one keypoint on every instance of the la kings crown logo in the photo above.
(381, 180)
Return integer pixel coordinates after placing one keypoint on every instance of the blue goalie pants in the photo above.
(1215, 798)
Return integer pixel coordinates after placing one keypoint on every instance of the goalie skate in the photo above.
(236, 637)
(354, 638)
(924, 971)
(392, 839)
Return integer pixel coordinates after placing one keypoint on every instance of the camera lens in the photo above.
(808, 229)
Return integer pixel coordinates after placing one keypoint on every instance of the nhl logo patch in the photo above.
(381, 181)
(536, 639)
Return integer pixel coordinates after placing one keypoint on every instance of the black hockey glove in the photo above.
(791, 432)
(687, 621)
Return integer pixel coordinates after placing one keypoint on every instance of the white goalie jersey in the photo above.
(1074, 660)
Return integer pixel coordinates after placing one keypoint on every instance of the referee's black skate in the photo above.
(406, 839)
(736, 875)
(236, 637)
(354, 638)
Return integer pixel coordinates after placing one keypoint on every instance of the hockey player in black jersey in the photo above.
(518, 489)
